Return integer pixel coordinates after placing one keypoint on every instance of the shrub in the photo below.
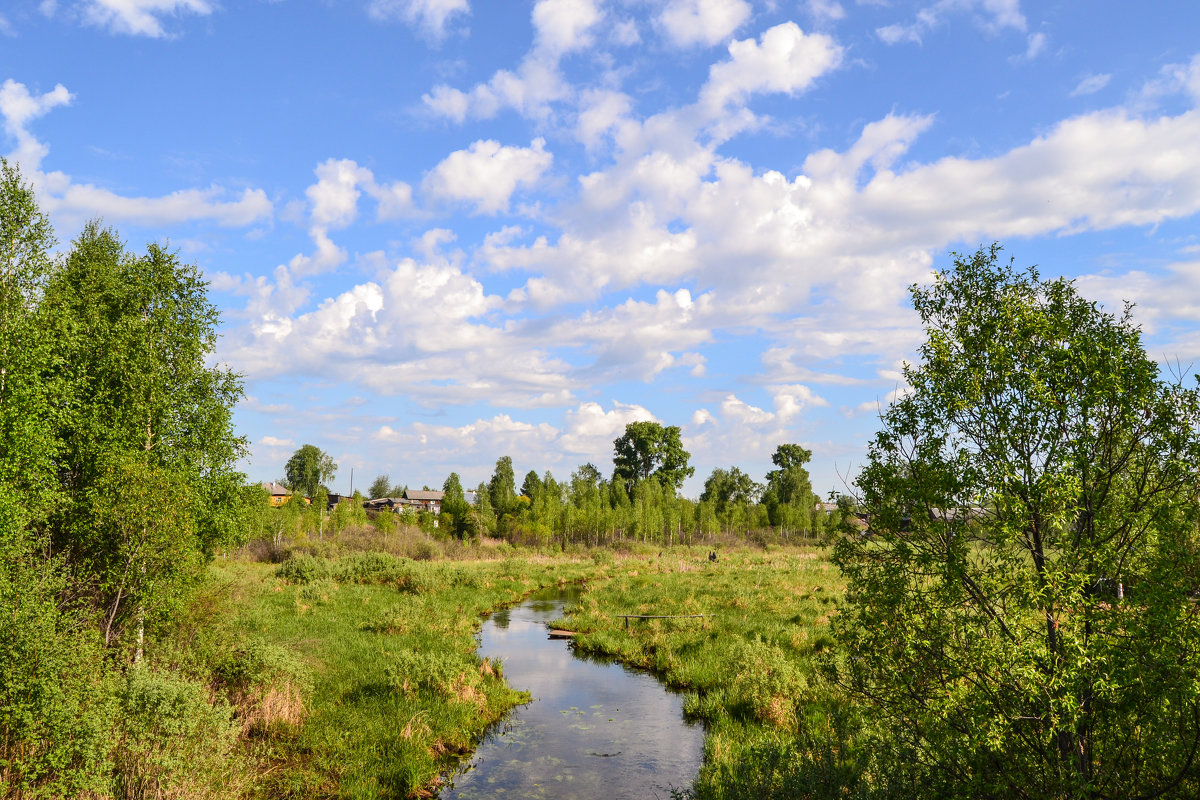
(304, 569)
(371, 568)
(55, 699)
(768, 682)
(445, 674)
(266, 684)
(173, 742)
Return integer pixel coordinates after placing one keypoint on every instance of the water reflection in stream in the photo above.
(594, 729)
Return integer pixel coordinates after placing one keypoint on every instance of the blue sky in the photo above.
(443, 231)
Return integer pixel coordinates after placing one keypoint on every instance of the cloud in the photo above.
(19, 108)
(419, 330)
(741, 432)
(824, 12)
(487, 173)
(687, 23)
(334, 197)
(878, 405)
(273, 441)
(601, 111)
(139, 17)
(590, 430)
(1172, 79)
(785, 59)
(1035, 45)
(990, 15)
(1091, 84)
(529, 91)
(428, 16)
(63, 198)
(560, 27)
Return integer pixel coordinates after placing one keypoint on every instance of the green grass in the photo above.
(393, 692)
(750, 667)
(397, 690)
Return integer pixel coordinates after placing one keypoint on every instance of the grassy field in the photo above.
(384, 689)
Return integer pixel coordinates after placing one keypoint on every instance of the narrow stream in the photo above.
(595, 730)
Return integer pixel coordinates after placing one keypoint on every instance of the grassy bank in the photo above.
(750, 665)
(396, 690)
(354, 673)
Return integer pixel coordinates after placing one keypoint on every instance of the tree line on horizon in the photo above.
(639, 501)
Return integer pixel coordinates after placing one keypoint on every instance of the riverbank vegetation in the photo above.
(397, 693)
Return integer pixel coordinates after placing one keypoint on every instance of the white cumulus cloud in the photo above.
(702, 22)
(784, 59)
(564, 25)
(487, 173)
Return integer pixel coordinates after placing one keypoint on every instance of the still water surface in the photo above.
(594, 731)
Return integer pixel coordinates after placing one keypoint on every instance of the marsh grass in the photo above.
(751, 667)
(397, 690)
(353, 671)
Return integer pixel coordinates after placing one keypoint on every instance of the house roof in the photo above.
(276, 489)
(424, 495)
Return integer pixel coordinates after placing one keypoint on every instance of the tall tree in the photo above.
(726, 487)
(1020, 621)
(532, 486)
(53, 711)
(502, 488)
(380, 487)
(789, 496)
(31, 391)
(648, 449)
(135, 337)
(455, 508)
(308, 469)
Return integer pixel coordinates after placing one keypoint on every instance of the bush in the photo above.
(304, 569)
(445, 674)
(55, 698)
(371, 568)
(174, 742)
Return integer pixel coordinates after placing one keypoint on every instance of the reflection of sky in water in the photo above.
(593, 730)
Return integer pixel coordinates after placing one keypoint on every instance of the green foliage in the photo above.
(502, 487)
(309, 469)
(439, 673)
(648, 449)
(304, 569)
(117, 485)
(54, 704)
(380, 487)
(1020, 623)
(174, 742)
(455, 509)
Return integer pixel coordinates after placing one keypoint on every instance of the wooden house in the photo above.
(422, 500)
